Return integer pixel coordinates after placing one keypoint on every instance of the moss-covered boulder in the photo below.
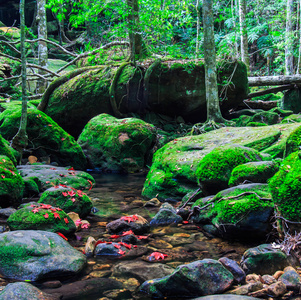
(259, 171)
(68, 199)
(294, 118)
(285, 187)
(291, 100)
(6, 150)
(41, 217)
(266, 117)
(49, 176)
(46, 138)
(293, 141)
(242, 212)
(214, 170)
(38, 255)
(11, 183)
(173, 171)
(175, 88)
(118, 145)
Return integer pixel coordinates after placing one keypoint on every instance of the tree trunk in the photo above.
(137, 46)
(20, 140)
(212, 100)
(42, 50)
(243, 34)
(198, 13)
(289, 64)
(274, 80)
(233, 12)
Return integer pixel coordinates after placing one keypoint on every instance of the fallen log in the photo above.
(271, 90)
(274, 80)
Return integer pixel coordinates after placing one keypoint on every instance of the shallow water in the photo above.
(116, 195)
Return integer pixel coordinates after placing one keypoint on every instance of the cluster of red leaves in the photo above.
(72, 193)
(50, 209)
(139, 237)
(131, 218)
(157, 256)
(12, 172)
(117, 245)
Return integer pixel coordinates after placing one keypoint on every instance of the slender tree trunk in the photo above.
(233, 10)
(20, 140)
(243, 34)
(274, 80)
(198, 13)
(212, 100)
(137, 46)
(289, 63)
(42, 50)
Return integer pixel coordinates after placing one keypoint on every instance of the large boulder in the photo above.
(173, 171)
(50, 176)
(242, 212)
(291, 100)
(68, 199)
(177, 89)
(6, 150)
(24, 290)
(41, 217)
(199, 278)
(118, 145)
(11, 183)
(35, 255)
(46, 138)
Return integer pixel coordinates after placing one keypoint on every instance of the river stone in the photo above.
(291, 279)
(41, 217)
(68, 199)
(225, 297)
(109, 249)
(53, 176)
(46, 137)
(36, 255)
(264, 259)
(117, 145)
(167, 215)
(203, 277)
(25, 291)
(6, 212)
(173, 171)
(136, 223)
(234, 268)
(141, 270)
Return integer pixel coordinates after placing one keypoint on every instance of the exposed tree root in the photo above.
(210, 125)
(59, 81)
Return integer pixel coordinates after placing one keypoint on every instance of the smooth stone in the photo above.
(234, 268)
(6, 212)
(291, 279)
(247, 288)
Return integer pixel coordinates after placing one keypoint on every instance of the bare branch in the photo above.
(10, 46)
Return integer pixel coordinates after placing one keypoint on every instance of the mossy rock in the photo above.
(41, 217)
(50, 176)
(256, 124)
(293, 141)
(46, 138)
(118, 145)
(243, 211)
(11, 184)
(293, 118)
(173, 171)
(285, 187)
(6, 150)
(68, 199)
(214, 170)
(32, 186)
(266, 117)
(283, 113)
(291, 101)
(243, 121)
(259, 171)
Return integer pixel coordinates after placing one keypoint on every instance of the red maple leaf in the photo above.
(127, 232)
(71, 193)
(35, 210)
(3, 176)
(142, 237)
(71, 169)
(66, 220)
(45, 206)
(91, 185)
(117, 246)
(56, 215)
(114, 236)
(63, 185)
(125, 245)
(62, 139)
(157, 256)
(99, 242)
(73, 199)
(132, 218)
(46, 216)
(65, 194)
(61, 235)
(121, 252)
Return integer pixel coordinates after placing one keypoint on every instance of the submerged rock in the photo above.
(167, 215)
(203, 277)
(36, 255)
(117, 145)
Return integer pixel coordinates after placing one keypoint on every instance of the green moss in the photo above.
(266, 117)
(253, 172)
(293, 141)
(216, 167)
(46, 138)
(6, 150)
(68, 199)
(52, 219)
(285, 188)
(117, 144)
(281, 112)
(294, 118)
(243, 121)
(256, 124)
(5, 162)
